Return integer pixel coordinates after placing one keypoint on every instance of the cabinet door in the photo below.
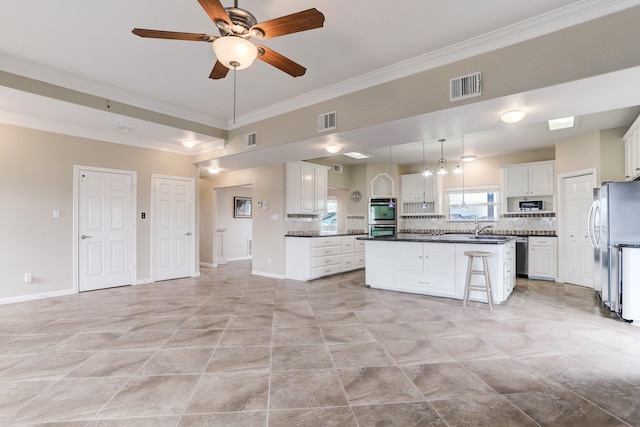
(541, 179)
(516, 179)
(542, 262)
(409, 256)
(439, 258)
(320, 190)
(411, 188)
(307, 188)
(429, 187)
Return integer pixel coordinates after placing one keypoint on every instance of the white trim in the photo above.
(270, 275)
(144, 281)
(75, 234)
(208, 264)
(560, 258)
(40, 295)
(240, 258)
(192, 269)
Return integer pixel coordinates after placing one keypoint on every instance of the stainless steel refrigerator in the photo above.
(614, 220)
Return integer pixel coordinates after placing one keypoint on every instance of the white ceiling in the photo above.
(88, 46)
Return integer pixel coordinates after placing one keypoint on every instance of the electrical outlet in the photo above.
(28, 277)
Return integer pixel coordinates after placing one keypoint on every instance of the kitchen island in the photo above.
(436, 265)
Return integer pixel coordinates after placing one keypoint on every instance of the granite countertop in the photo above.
(444, 238)
(627, 245)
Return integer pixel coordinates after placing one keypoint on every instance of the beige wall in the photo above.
(238, 231)
(612, 154)
(36, 177)
(602, 150)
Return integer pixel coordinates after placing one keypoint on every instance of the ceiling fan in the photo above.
(232, 48)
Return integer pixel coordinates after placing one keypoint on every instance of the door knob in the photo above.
(84, 236)
(188, 233)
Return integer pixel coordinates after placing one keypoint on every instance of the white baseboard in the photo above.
(240, 258)
(207, 264)
(33, 297)
(144, 281)
(270, 275)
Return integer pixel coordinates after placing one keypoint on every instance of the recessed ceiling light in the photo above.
(513, 116)
(468, 158)
(188, 143)
(333, 148)
(356, 155)
(214, 170)
(561, 123)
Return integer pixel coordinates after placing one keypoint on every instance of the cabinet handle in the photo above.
(425, 283)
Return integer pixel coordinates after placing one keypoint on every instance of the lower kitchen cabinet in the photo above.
(542, 257)
(437, 269)
(309, 258)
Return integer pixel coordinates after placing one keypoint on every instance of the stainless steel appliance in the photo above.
(522, 252)
(382, 211)
(382, 230)
(613, 221)
(530, 205)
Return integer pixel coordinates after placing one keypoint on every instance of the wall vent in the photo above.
(327, 121)
(465, 87)
(250, 140)
(338, 168)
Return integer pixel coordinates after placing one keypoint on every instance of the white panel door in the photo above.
(172, 217)
(105, 230)
(578, 253)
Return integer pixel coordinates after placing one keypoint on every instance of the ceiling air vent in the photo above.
(338, 168)
(250, 140)
(327, 121)
(465, 87)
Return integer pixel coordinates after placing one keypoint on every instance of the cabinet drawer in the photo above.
(542, 241)
(348, 244)
(434, 285)
(359, 245)
(347, 262)
(320, 242)
(327, 260)
(358, 261)
(326, 271)
(326, 251)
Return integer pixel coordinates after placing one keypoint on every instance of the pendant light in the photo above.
(442, 163)
(391, 204)
(463, 205)
(424, 174)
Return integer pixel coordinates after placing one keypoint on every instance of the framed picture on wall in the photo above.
(242, 207)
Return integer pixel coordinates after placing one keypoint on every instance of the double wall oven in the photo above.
(382, 217)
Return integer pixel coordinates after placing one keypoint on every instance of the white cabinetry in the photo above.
(437, 269)
(630, 280)
(416, 190)
(632, 151)
(528, 181)
(542, 258)
(312, 257)
(306, 188)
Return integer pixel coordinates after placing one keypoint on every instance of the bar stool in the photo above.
(484, 272)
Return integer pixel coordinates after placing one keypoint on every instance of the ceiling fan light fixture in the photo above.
(513, 116)
(235, 52)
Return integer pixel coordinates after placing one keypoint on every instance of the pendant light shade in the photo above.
(235, 52)
(442, 163)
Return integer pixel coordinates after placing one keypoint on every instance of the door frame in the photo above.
(76, 210)
(560, 215)
(192, 181)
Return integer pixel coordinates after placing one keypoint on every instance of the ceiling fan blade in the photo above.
(281, 62)
(294, 23)
(219, 71)
(158, 34)
(215, 10)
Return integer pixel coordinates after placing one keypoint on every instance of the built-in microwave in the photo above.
(382, 211)
(530, 205)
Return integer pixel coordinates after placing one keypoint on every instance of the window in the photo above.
(482, 202)
(329, 221)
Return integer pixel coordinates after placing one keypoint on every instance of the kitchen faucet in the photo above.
(477, 229)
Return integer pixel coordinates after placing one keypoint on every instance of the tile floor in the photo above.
(231, 349)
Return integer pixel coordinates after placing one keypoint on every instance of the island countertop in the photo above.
(444, 238)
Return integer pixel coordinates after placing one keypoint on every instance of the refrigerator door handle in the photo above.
(590, 226)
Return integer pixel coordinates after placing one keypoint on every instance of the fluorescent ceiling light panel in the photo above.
(356, 155)
(561, 123)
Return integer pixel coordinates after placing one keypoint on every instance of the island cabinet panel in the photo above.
(437, 269)
(309, 258)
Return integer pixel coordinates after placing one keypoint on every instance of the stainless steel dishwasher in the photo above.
(522, 249)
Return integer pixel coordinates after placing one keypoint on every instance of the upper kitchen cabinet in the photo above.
(632, 151)
(417, 190)
(306, 188)
(528, 181)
